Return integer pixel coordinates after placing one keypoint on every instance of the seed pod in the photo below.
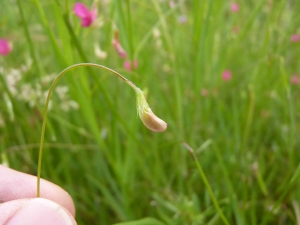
(152, 122)
(149, 119)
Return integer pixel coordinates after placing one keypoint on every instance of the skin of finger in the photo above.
(17, 185)
(8, 209)
(34, 211)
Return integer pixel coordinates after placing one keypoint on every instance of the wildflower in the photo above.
(295, 38)
(172, 4)
(48, 79)
(234, 7)
(204, 92)
(30, 94)
(5, 48)
(157, 37)
(119, 49)
(149, 119)
(264, 113)
(13, 77)
(295, 79)
(62, 92)
(226, 75)
(127, 65)
(99, 53)
(182, 19)
(235, 30)
(156, 33)
(87, 17)
(69, 105)
(117, 45)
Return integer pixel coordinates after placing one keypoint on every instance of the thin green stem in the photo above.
(290, 185)
(49, 32)
(206, 183)
(249, 119)
(129, 30)
(29, 40)
(47, 103)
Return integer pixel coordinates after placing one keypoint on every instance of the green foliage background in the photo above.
(245, 131)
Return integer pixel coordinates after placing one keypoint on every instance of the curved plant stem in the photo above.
(206, 183)
(136, 89)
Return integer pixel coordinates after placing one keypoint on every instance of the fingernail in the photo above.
(41, 211)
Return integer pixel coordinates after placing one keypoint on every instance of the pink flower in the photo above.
(226, 75)
(295, 38)
(234, 7)
(127, 65)
(119, 49)
(264, 113)
(295, 79)
(87, 17)
(117, 45)
(182, 19)
(204, 92)
(236, 30)
(172, 4)
(5, 48)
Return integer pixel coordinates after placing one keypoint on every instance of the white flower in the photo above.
(62, 91)
(12, 78)
(31, 95)
(156, 33)
(99, 53)
(69, 105)
(48, 79)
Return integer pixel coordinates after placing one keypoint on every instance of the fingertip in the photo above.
(35, 211)
(8, 209)
(18, 185)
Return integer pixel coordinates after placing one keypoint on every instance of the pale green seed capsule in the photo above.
(149, 119)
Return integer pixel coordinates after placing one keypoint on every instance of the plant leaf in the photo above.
(144, 221)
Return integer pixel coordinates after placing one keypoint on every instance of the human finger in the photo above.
(17, 185)
(34, 211)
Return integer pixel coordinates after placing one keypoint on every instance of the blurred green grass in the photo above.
(245, 131)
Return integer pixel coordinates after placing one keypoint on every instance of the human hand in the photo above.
(19, 204)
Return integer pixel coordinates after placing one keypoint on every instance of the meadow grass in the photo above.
(243, 132)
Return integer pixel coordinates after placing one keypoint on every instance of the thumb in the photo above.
(34, 211)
